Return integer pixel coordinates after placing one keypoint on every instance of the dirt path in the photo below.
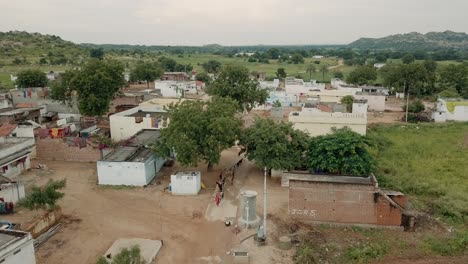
(340, 64)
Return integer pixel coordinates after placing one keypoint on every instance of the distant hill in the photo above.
(52, 49)
(415, 41)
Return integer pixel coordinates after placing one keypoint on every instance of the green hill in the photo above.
(19, 47)
(415, 41)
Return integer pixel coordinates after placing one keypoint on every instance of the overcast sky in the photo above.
(230, 22)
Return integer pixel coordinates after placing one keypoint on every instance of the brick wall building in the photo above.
(57, 149)
(342, 199)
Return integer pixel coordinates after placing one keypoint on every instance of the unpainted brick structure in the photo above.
(342, 199)
(56, 149)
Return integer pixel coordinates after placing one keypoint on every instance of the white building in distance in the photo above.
(449, 109)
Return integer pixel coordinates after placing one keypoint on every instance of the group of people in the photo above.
(222, 180)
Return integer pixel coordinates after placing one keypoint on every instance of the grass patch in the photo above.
(451, 246)
(366, 252)
(428, 162)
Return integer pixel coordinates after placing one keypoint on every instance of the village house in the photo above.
(16, 247)
(320, 120)
(175, 76)
(450, 109)
(271, 86)
(126, 124)
(15, 155)
(133, 163)
(13, 115)
(299, 87)
(11, 191)
(5, 100)
(336, 199)
(178, 89)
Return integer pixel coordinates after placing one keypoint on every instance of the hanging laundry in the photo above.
(54, 133)
(24, 93)
(217, 198)
(5, 168)
(72, 128)
(29, 93)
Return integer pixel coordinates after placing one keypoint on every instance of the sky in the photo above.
(230, 22)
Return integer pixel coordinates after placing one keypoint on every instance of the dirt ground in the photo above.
(192, 227)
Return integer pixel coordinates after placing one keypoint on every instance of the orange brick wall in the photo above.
(56, 149)
(340, 203)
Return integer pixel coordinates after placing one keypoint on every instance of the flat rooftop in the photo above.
(128, 154)
(142, 111)
(7, 236)
(15, 111)
(302, 176)
(145, 137)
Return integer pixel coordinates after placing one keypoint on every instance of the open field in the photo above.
(428, 162)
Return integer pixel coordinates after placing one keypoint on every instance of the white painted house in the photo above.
(126, 124)
(299, 87)
(317, 123)
(449, 109)
(16, 247)
(186, 183)
(177, 89)
(11, 191)
(134, 164)
(15, 155)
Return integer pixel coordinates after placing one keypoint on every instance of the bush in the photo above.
(304, 255)
(126, 256)
(45, 197)
(415, 107)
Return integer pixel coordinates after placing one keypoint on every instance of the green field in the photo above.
(429, 163)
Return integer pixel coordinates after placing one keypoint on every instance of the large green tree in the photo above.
(362, 75)
(404, 77)
(31, 78)
(274, 145)
(199, 131)
(95, 84)
(234, 81)
(455, 76)
(212, 66)
(281, 73)
(146, 71)
(97, 53)
(341, 152)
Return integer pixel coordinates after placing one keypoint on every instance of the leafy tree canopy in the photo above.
(455, 76)
(338, 75)
(348, 101)
(281, 73)
(408, 58)
(274, 145)
(45, 197)
(212, 66)
(415, 107)
(97, 53)
(235, 82)
(204, 77)
(32, 78)
(146, 71)
(412, 76)
(199, 131)
(95, 84)
(362, 75)
(341, 152)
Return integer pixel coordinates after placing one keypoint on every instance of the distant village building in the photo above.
(16, 247)
(299, 87)
(449, 109)
(317, 57)
(175, 76)
(320, 121)
(269, 85)
(379, 65)
(133, 164)
(126, 124)
(178, 89)
(5, 100)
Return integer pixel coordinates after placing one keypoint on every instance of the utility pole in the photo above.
(265, 202)
(407, 103)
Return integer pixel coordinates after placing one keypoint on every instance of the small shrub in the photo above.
(125, 256)
(45, 197)
(415, 107)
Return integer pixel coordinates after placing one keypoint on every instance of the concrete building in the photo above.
(16, 247)
(11, 191)
(124, 125)
(17, 115)
(162, 102)
(272, 86)
(451, 110)
(40, 97)
(379, 65)
(299, 87)
(317, 123)
(5, 100)
(344, 200)
(175, 76)
(177, 89)
(186, 183)
(134, 164)
(15, 155)
(375, 101)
